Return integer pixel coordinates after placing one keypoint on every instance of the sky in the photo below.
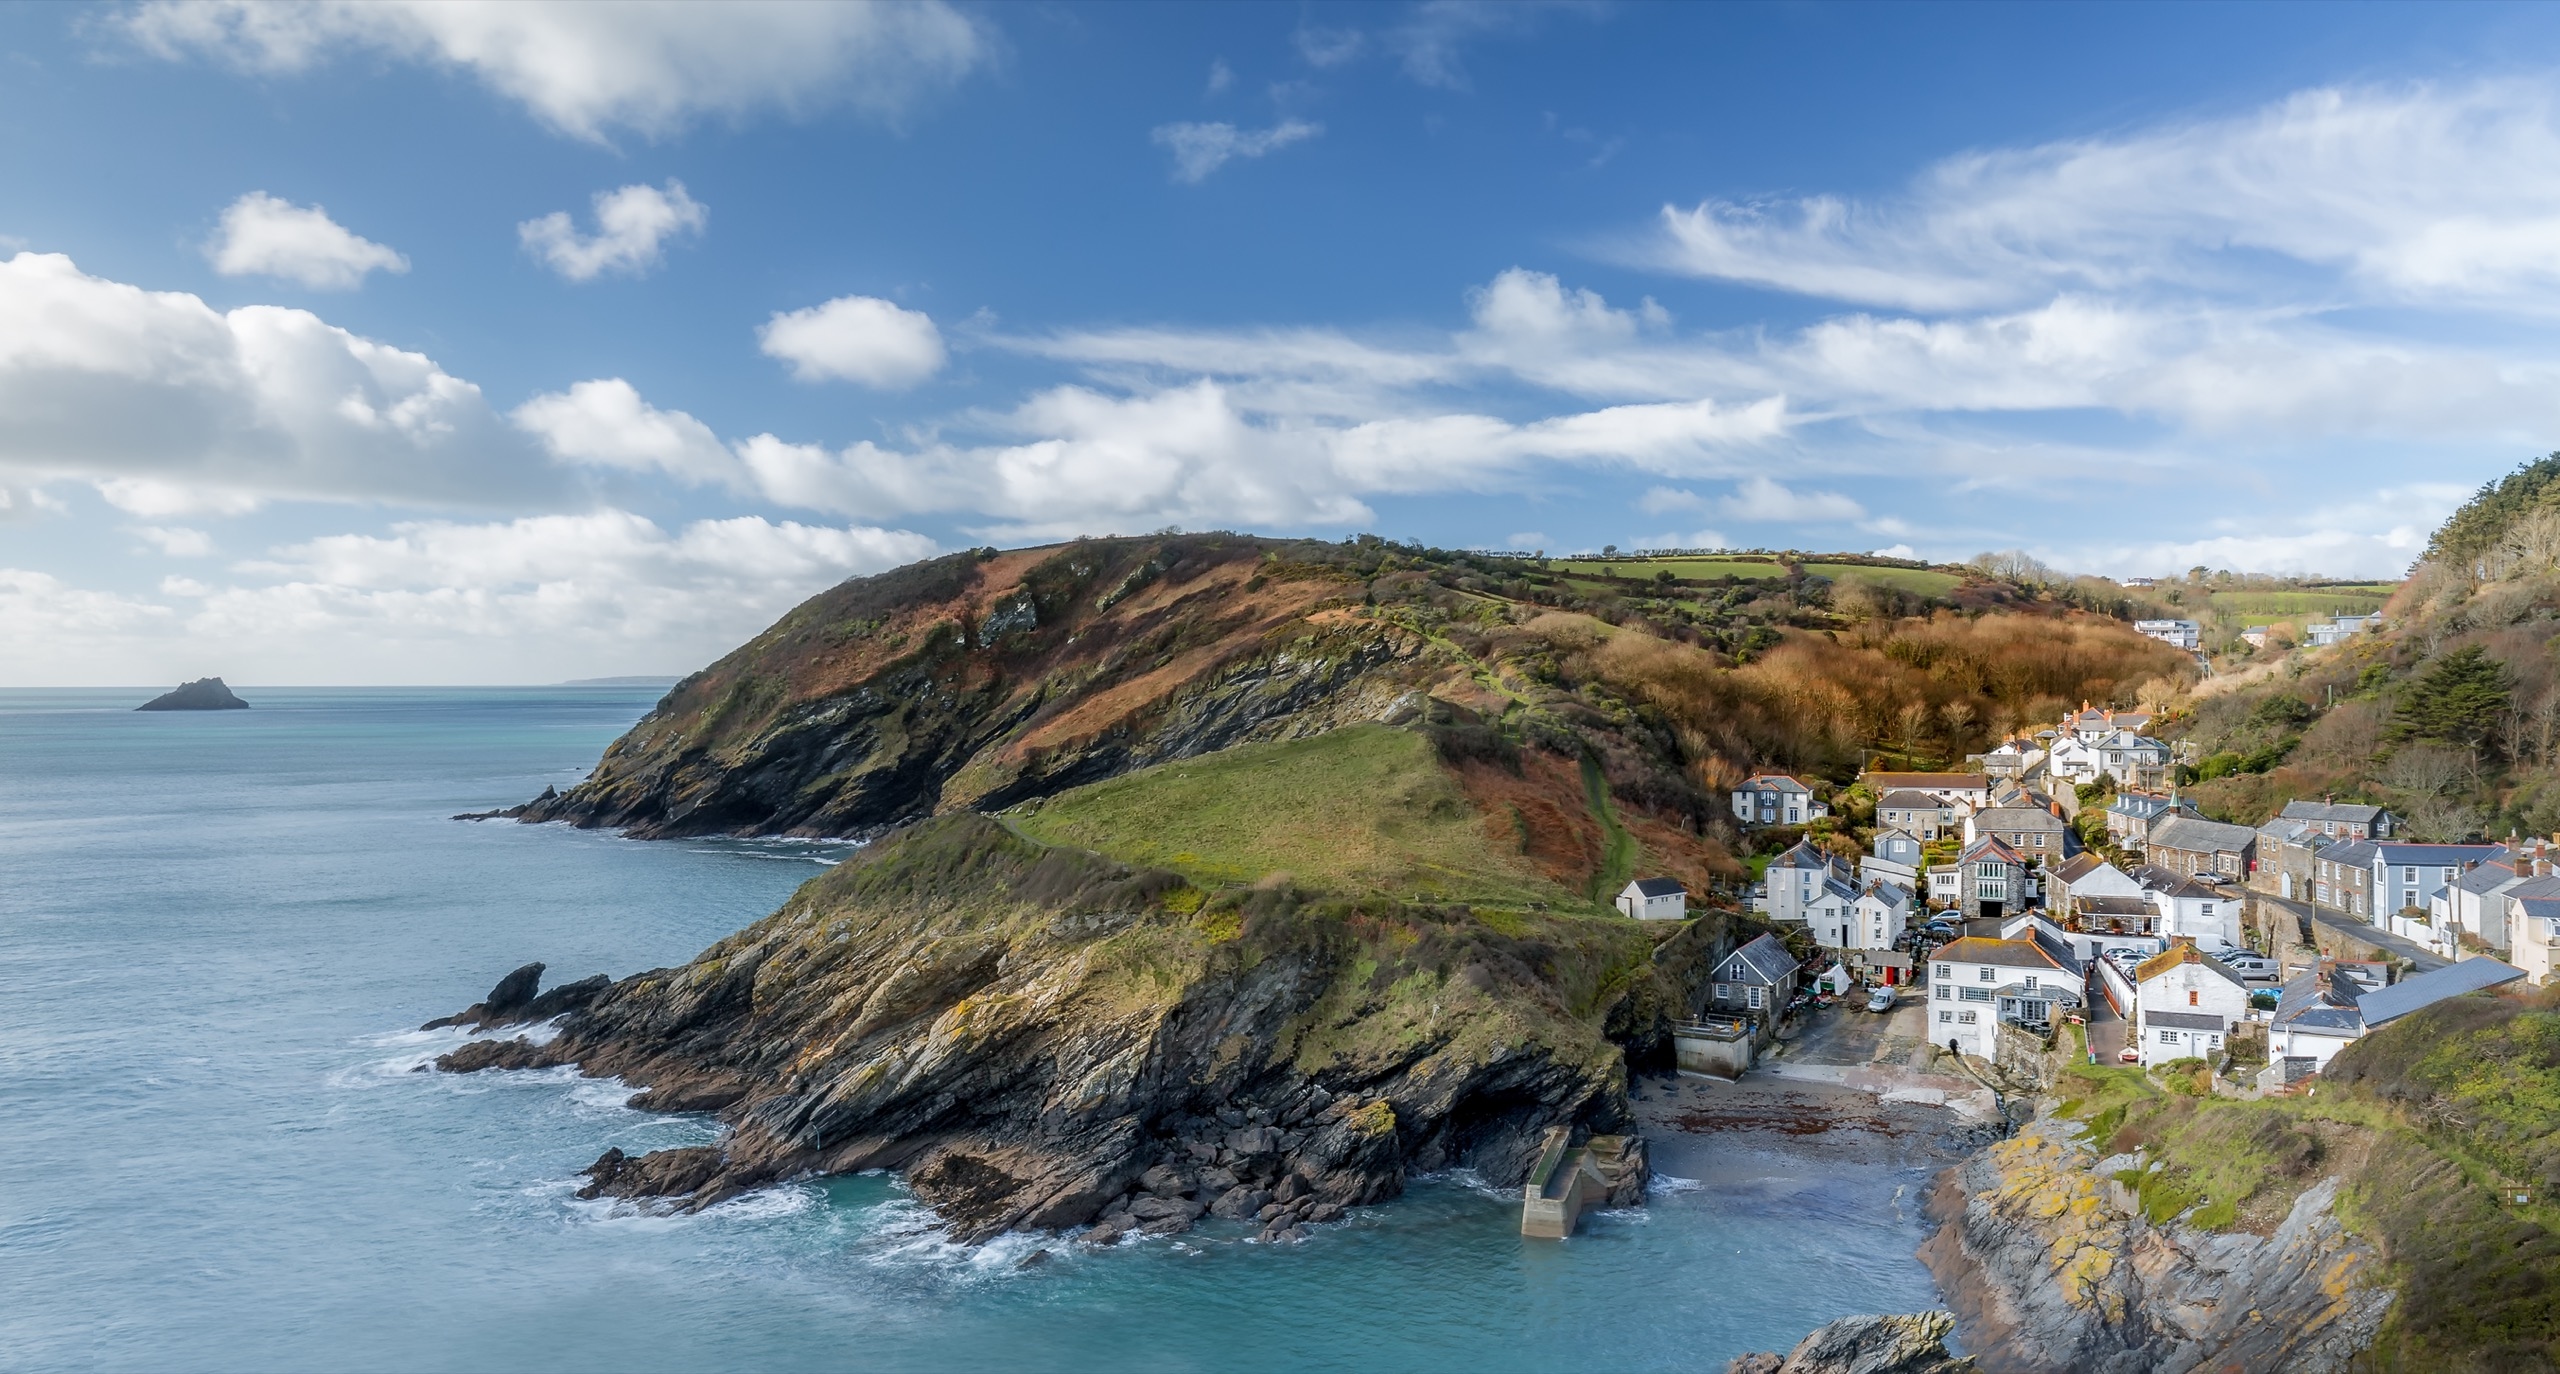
(414, 342)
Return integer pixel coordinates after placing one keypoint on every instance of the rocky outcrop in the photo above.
(2049, 1264)
(1044, 1038)
(517, 1000)
(984, 679)
(203, 694)
(1912, 1344)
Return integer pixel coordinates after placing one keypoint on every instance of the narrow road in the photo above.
(2424, 960)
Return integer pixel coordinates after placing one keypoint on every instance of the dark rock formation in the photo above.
(979, 680)
(203, 694)
(1913, 1344)
(1043, 1038)
(2049, 1264)
(514, 1001)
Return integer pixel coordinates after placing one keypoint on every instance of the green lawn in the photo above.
(1367, 808)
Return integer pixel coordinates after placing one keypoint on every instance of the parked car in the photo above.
(1880, 1000)
(2130, 1054)
(2255, 967)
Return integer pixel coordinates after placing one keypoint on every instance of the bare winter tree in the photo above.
(2427, 770)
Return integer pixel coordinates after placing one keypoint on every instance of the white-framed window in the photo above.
(1988, 975)
(1756, 998)
(1946, 971)
(1964, 1018)
(2168, 1037)
(2031, 980)
(1977, 994)
(1944, 992)
(1946, 1017)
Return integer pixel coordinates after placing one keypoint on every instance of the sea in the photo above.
(219, 932)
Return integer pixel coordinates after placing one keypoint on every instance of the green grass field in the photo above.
(1585, 574)
(2328, 601)
(1367, 808)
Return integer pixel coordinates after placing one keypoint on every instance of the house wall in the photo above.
(1970, 1023)
(2187, 988)
(2286, 1042)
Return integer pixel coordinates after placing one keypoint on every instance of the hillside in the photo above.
(2449, 714)
(982, 680)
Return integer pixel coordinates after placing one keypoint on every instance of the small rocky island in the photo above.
(203, 694)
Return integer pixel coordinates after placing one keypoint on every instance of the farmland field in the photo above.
(2327, 601)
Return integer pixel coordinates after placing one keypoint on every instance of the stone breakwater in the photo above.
(2049, 1263)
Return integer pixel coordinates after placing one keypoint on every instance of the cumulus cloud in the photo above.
(1759, 498)
(587, 66)
(632, 227)
(538, 598)
(264, 236)
(855, 339)
(2418, 193)
(173, 407)
(605, 423)
(176, 541)
(1089, 462)
(1199, 149)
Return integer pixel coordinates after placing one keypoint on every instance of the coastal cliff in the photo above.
(1040, 1037)
(2046, 1254)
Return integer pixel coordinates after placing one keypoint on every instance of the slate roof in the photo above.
(1803, 854)
(1977, 949)
(2078, 866)
(2325, 1007)
(2024, 817)
(1990, 847)
(1909, 799)
(2185, 1020)
(2154, 878)
(2488, 878)
(2042, 992)
(2201, 836)
(1774, 782)
(1763, 961)
(2184, 952)
(1659, 887)
(2438, 855)
(2409, 994)
(2114, 906)
(2056, 948)
(2355, 854)
(2352, 813)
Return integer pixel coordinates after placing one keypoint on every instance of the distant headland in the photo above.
(203, 694)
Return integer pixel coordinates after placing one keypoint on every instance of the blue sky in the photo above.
(450, 343)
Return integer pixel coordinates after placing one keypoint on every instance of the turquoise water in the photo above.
(215, 930)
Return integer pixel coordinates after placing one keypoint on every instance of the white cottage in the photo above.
(2188, 1004)
(1654, 899)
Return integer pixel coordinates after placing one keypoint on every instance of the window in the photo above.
(1946, 1017)
(2168, 1037)
(1945, 992)
(1964, 1018)
(2191, 997)
(2205, 909)
(1757, 998)
(1977, 994)
(2031, 980)
(1946, 971)
(1987, 975)
(1724, 992)
(2409, 874)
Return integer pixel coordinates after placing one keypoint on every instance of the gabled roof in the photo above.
(2394, 852)
(2409, 994)
(1891, 832)
(2356, 854)
(1976, 949)
(2138, 804)
(2057, 949)
(1656, 887)
(2351, 813)
(2201, 836)
(2542, 885)
(1909, 799)
(1774, 782)
(2172, 883)
(2016, 817)
(1954, 782)
(2185, 952)
(2293, 832)
(1763, 961)
(1888, 893)
(2488, 878)
(1990, 847)
(2078, 866)
(1803, 854)
(2323, 1005)
(2185, 1020)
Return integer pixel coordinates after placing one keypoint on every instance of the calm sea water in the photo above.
(216, 930)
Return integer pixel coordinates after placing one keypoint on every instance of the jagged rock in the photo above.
(1238, 1204)
(518, 1053)
(1164, 1180)
(514, 1001)
(659, 1173)
(203, 694)
(1913, 1344)
(2043, 1274)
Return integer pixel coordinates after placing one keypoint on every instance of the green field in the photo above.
(2328, 601)
(1367, 808)
(1586, 573)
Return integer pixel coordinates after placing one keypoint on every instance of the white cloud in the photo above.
(583, 68)
(172, 407)
(1221, 76)
(176, 541)
(1323, 47)
(855, 339)
(606, 424)
(1199, 149)
(1758, 498)
(2365, 534)
(264, 236)
(632, 227)
(1894, 551)
(540, 598)
(2420, 193)
(1087, 462)
(1659, 500)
